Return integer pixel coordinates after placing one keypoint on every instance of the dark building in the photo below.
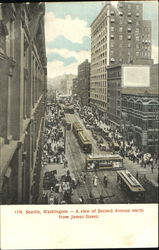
(84, 82)
(22, 100)
(133, 103)
(75, 86)
(119, 35)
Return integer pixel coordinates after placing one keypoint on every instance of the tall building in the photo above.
(75, 86)
(84, 82)
(67, 84)
(118, 35)
(22, 100)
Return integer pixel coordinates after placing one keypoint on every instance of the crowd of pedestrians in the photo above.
(60, 188)
(113, 135)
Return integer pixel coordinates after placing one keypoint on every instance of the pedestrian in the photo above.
(101, 201)
(137, 175)
(105, 180)
(81, 200)
(95, 181)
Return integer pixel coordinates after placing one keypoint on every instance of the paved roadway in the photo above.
(76, 160)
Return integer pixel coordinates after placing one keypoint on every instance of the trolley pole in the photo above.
(65, 139)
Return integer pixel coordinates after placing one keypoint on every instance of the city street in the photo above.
(112, 193)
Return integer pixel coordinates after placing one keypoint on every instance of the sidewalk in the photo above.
(135, 167)
(60, 172)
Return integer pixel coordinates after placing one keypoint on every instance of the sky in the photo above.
(67, 32)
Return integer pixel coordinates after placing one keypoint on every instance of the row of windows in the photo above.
(129, 14)
(138, 106)
(129, 6)
(129, 37)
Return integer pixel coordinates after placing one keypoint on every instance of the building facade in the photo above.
(67, 84)
(84, 82)
(22, 100)
(134, 109)
(75, 86)
(118, 35)
(141, 123)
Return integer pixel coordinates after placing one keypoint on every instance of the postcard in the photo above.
(79, 124)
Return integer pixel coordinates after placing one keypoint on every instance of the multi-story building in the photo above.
(67, 84)
(84, 82)
(133, 103)
(75, 86)
(118, 35)
(22, 100)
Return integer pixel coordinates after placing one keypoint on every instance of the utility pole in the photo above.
(123, 128)
(65, 139)
(156, 136)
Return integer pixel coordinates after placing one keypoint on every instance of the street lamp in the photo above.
(156, 136)
(124, 115)
(65, 139)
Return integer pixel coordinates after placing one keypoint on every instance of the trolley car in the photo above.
(84, 142)
(76, 127)
(131, 186)
(104, 162)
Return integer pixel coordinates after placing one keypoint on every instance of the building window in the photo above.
(129, 37)
(137, 14)
(120, 5)
(129, 13)
(112, 13)
(129, 21)
(137, 38)
(120, 13)
(112, 28)
(112, 20)
(137, 7)
(137, 30)
(120, 29)
(129, 45)
(112, 36)
(129, 29)
(112, 59)
(120, 37)
(137, 53)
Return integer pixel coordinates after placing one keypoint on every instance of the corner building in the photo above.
(22, 100)
(118, 35)
(84, 82)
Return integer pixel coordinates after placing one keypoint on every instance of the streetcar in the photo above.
(76, 127)
(131, 186)
(69, 109)
(103, 162)
(84, 142)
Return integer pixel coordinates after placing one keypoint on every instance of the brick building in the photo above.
(134, 109)
(22, 100)
(83, 89)
(118, 35)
